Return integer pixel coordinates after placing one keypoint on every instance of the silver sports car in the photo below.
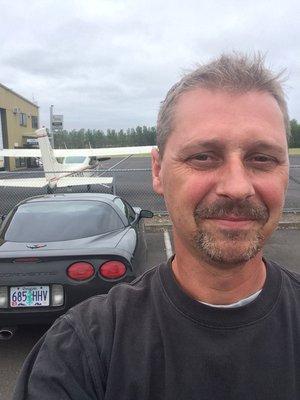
(57, 250)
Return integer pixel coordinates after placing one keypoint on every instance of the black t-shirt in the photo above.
(149, 340)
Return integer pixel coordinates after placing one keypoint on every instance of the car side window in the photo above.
(126, 209)
(130, 211)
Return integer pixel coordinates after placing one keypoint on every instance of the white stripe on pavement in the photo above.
(168, 245)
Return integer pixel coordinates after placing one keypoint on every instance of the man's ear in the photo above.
(156, 172)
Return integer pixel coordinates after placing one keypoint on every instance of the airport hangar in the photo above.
(19, 118)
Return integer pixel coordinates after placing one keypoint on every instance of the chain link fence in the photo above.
(134, 185)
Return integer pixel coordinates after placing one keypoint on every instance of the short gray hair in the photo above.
(230, 72)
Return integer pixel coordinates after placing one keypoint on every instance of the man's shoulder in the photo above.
(290, 276)
(100, 321)
(122, 297)
(137, 288)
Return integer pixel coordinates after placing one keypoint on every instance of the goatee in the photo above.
(229, 247)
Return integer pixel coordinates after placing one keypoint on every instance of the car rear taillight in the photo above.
(80, 271)
(112, 269)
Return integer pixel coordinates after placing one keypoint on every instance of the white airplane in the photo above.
(71, 171)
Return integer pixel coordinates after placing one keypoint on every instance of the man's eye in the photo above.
(210, 156)
(262, 161)
(202, 157)
(262, 158)
(203, 161)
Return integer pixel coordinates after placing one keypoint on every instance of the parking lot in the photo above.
(13, 352)
(284, 247)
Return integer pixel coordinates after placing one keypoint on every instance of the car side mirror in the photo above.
(146, 214)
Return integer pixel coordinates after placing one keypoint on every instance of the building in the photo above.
(19, 118)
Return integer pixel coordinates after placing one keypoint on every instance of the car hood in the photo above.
(87, 244)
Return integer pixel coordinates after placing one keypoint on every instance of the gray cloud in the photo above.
(109, 64)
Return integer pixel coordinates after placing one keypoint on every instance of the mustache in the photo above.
(227, 207)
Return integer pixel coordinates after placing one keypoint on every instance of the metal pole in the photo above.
(51, 130)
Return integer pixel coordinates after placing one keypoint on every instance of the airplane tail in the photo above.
(50, 164)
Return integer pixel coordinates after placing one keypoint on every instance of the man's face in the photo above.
(224, 173)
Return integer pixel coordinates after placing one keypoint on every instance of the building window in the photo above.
(34, 122)
(23, 119)
(20, 162)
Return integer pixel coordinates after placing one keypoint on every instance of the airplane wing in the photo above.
(24, 182)
(97, 152)
(103, 152)
(62, 182)
(20, 153)
(84, 181)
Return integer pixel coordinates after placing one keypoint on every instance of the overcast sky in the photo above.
(108, 63)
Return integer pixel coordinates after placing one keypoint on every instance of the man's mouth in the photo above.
(233, 218)
(231, 222)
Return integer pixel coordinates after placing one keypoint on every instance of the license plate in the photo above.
(29, 296)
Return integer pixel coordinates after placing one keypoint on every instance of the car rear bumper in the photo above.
(30, 317)
(73, 294)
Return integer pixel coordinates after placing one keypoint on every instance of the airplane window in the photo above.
(74, 160)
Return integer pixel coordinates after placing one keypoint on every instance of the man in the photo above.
(217, 321)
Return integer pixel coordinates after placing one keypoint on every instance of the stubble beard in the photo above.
(233, 248)
(226, 247)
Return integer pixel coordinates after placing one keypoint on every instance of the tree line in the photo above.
(295, 134)
(139, 136)
(84, 138)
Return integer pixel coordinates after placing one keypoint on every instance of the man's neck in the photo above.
(214, 284)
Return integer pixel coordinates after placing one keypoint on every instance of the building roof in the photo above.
(16, 94)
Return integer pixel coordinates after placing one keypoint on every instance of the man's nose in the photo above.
(234, 181)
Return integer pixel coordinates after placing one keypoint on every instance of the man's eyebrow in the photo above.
(203, 144)
(265, 145)
(217, 144)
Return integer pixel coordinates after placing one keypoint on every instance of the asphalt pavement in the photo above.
(133, 182)
(283, 247)
(135, 186)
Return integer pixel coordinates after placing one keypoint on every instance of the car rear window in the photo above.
(61, 220)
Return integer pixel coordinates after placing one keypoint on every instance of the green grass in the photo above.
(294, 152)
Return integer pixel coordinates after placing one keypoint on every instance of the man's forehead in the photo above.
(207, 98)
(206, 118)
(206, 106)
